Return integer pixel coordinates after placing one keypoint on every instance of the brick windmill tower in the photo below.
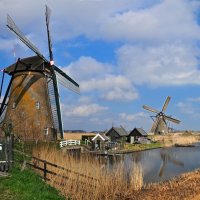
(31, 103)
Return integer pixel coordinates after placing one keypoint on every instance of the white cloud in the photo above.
(165, 21)
(111, 20)
(132, 117)
(112, 87)
(159, 65)
(85, 100)
(106, 83)
(186, 108)
(197, 99)
(130, 121)
(83, 110)
(86, 68)
(118, 94)
(95, 76)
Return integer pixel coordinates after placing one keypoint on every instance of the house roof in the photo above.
(101, 135)
(140, 130)
(120, 130)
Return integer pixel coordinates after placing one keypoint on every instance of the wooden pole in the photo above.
(45, 170)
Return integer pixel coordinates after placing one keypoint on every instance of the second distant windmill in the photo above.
(160, 120)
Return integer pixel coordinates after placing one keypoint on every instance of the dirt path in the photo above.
(186, 187)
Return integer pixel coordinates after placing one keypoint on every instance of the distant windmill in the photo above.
(31, 102)
(160, 122)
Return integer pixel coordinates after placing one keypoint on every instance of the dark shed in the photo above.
(116, 134)
(135, 134)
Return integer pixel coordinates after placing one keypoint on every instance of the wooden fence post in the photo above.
(45, 170)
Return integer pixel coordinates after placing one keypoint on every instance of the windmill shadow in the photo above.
(21, 89)
(166, 158)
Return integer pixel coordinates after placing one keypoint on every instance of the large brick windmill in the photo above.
(31, 102)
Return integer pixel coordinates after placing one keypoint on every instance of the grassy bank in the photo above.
(164, 141)
(26, 185)
(141, 147)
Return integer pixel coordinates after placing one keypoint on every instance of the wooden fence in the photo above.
(43, 167)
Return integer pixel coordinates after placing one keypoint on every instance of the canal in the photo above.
(158, 164)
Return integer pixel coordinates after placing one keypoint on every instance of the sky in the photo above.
(123, 53)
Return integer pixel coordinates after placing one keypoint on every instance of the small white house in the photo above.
(99, 141)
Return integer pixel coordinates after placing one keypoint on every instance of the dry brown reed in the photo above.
(87, 178)
(169, 140)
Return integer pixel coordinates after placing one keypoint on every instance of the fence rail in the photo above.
(69, 142)
(42, 165)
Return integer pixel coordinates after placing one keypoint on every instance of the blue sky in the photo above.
(124, 54)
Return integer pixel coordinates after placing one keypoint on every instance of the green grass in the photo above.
(26, 185)
(140, 147)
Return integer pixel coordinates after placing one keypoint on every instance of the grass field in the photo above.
(76, 136)
(26, 185)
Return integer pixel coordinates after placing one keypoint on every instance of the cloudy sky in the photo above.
(123, 53)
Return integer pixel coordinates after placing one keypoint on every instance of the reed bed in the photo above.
(87, 178)
(169, 140)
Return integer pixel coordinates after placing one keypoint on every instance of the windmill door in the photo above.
(5, 155)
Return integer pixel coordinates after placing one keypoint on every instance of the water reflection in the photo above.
(166, 157)
(157, 164)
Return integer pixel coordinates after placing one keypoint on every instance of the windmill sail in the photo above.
(54, 108)
(172, 119)
(13, 27)
(166, 104)
(63, 78)
(47, 15)
(150, 109)
(66, 81)
(155, 124)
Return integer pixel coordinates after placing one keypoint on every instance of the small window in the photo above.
(46, 131)
(37, 105)
(14, 105)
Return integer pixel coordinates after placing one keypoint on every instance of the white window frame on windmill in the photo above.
(37, 105)
(14, 105)
(46, 131)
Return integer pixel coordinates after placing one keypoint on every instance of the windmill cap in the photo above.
(34, 63)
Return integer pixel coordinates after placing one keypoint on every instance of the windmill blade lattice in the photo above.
(66, 82)
(172, 119)
(53, 105)
(13, 27)
(150, 109)
(166, 104)
(155, 124)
